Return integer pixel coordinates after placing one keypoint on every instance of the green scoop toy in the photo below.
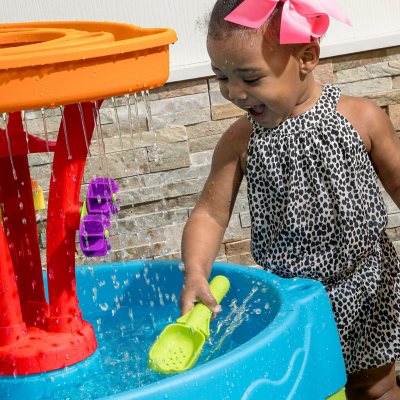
(179, 345)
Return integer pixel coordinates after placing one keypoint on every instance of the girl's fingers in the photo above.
(194, 292)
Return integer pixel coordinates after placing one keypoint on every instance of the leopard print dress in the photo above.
(317, 212)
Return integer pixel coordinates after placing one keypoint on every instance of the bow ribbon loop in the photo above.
(301, 19)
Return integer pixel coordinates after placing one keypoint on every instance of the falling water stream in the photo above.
(25, 126)
(125, 333)
(5, 119)
(64, 123)
(46, 134)
(84, 130)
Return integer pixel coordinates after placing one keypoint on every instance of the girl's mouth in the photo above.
(256, 111)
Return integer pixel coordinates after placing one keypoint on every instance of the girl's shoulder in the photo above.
(234, 142)
(364, 115)
(240, 129)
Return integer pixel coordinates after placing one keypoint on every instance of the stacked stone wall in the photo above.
(161, 171)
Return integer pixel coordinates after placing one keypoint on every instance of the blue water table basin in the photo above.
(275, 339)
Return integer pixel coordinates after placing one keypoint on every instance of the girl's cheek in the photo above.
(224, 91)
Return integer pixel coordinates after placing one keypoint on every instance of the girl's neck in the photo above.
(308, 97)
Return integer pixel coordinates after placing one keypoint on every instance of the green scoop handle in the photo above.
(179, 345)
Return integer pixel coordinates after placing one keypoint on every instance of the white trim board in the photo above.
(203, 70)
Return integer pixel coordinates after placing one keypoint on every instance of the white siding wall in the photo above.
(376, 24)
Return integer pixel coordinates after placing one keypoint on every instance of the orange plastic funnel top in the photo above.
(45, 64)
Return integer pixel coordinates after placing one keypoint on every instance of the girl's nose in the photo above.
(236, 92)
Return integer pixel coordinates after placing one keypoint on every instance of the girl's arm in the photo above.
(385, 152)
(205, 228)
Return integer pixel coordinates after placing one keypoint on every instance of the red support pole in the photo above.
(34, 337)
(63, 217)
(12, 327)
(19, 221)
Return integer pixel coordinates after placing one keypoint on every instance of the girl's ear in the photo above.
(308, 57)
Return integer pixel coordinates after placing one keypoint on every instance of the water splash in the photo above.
(99, 138)
(235, 318)
(156, 147)
(121, 143)
(64, 123)
(146, 100)
(133, 118)
(85, 135)
(25, 125)
(46, 134)
(5, 119)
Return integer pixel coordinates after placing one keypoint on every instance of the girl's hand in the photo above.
(196, 289)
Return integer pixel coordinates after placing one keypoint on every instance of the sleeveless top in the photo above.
(317, 212)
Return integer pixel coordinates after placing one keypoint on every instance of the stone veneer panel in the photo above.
(161, 173)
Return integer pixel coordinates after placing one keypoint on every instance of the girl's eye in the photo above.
(221, 78)
(253, 80)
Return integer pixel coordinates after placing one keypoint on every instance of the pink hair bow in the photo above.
(301, 19)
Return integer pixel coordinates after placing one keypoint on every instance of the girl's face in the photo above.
(264, 81)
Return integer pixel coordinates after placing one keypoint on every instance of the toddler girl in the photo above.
(310, 156)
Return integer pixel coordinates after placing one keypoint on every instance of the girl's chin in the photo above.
(258, 117)
(264, 119)
(266, 123)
